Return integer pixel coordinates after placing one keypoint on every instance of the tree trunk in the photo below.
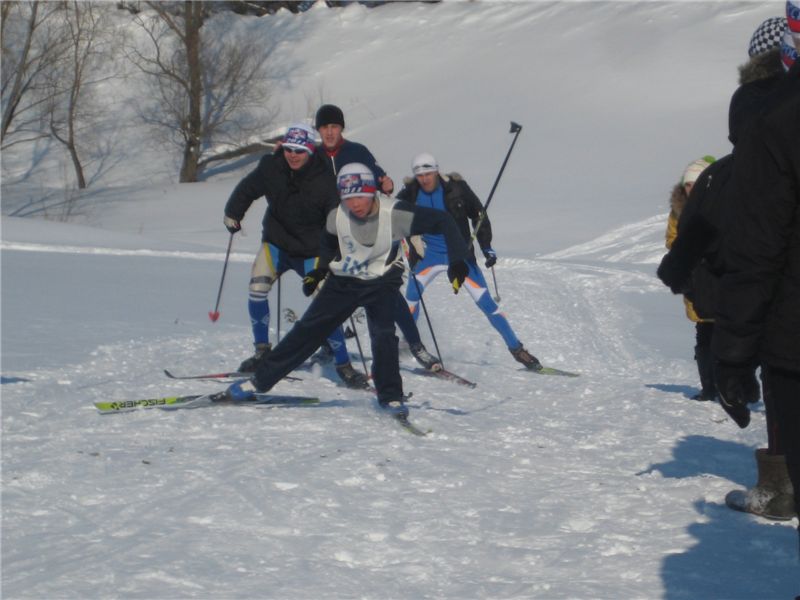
(193, 20)
(76, 162)
(16, 91)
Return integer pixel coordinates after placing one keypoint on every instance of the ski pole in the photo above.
(515, 129)
(214, 314)
(278, 332)
(358, 344)
(427, 318)
(496, 293)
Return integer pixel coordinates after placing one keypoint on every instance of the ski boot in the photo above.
(425, 358)
(249, 365)
(396, 407)
(526, 358)
(352, 378)
(241, 391)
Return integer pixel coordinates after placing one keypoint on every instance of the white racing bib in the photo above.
(360, 260)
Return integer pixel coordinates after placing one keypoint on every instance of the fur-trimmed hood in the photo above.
(677, 199)
(758, 77)
(761, 66)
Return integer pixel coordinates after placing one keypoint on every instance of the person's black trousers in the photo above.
(337, 299)
(784, 388)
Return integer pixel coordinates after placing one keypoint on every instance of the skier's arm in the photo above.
(409, 219)
(252, 187)
(329, 242)
(477, 216)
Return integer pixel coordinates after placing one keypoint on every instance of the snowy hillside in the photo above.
(610, 485)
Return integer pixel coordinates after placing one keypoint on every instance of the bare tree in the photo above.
(205, 89)
(70, 110)
(32, 44)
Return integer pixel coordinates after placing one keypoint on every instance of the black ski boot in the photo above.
(526, 358)
(425, 358)
(249, 365)
(352, 378)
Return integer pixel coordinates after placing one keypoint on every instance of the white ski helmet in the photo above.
(356, 179)
(424, 163)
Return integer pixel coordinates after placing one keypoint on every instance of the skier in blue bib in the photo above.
(451, 194)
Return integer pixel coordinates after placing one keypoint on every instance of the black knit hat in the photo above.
(329, 114)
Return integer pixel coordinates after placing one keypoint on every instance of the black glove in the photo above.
(313, 279)
(674, 274)
(457, 273)
(232, 224)
(737, 386)
(491, 257)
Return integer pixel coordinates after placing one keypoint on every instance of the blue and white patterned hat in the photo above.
(300, 136)
(356, 179)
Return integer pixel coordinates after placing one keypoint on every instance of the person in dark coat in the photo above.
(300, 192)
(694, 264)
(329, 122)
(451, 194)
(758, 312)
(704, 324)
(358, 267)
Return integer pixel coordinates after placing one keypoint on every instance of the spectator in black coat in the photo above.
(758, 313)
(695, 264)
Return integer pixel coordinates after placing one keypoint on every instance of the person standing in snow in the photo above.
(358, 265)
(451, 194)
(300, 192)
(704, 326)
(758, 319)
(339, 152)
(695, 259)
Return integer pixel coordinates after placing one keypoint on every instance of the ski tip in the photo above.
(554, 371)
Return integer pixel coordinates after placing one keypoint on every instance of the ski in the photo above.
(227, 375)
(553, 371)
(446, 375)
(408, 426)
(400, 415)
(198, 400)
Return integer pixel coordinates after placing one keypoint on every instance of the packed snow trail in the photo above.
(608, 485)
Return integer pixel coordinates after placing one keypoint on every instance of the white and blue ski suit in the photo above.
(455, 197)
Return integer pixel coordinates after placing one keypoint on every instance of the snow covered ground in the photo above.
(610, 485)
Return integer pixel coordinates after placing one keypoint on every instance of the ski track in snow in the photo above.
(523, 483)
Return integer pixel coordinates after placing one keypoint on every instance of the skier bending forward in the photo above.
(360, 264)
